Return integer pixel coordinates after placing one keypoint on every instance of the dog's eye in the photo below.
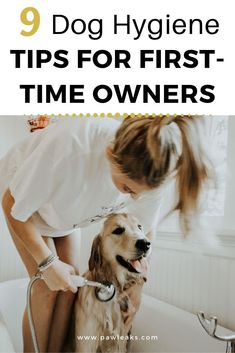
(140, 226)
(119, 230)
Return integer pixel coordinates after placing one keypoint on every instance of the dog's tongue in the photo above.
(140, 266)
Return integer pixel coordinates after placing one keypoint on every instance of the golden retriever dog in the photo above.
(118, 256)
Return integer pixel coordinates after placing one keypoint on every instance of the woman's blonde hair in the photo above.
(149, 149)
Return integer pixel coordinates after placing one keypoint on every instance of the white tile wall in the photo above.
(194, 282)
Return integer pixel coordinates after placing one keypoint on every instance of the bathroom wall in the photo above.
(194, 280)
(198, 273)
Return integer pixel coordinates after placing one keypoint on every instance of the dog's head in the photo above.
(122, 245)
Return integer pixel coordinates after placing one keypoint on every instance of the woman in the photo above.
(76, 172)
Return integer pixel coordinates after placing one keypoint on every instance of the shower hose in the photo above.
(35, 278)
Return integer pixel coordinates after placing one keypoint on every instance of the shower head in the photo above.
(104, 292)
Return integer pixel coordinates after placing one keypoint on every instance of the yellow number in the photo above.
(35, 20)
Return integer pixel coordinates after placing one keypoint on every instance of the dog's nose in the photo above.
(143, 244)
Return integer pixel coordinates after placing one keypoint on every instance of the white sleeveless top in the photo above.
(60, 176)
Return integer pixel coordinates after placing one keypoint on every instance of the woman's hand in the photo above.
(58, 276)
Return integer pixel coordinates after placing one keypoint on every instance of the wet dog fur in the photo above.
(109, 263)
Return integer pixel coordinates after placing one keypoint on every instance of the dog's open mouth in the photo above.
(138, 265)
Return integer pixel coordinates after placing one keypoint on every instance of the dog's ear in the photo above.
(95, 257)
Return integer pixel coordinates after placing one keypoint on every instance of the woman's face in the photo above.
(124, 184)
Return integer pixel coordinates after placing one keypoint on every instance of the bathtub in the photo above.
(158, 327)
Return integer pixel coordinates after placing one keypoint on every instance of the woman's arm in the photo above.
(57, 276)
(26, 231)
